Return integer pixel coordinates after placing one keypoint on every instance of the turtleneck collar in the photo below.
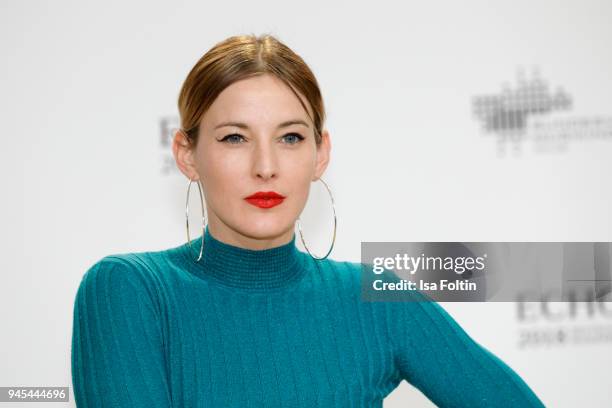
(237, 267)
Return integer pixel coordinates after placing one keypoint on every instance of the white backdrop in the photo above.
(88, 88)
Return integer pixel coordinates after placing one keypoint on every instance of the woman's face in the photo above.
(255, 137)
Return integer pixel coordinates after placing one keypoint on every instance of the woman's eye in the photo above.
(232, 139)
(293, 138)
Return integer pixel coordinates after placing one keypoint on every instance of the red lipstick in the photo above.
(265, 199)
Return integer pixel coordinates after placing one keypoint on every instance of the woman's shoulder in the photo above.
(340, 267)
(126, 262)
(136, 271)
(338, 272)
(355, 269)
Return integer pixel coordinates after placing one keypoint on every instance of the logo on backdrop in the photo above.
(548, 324)
(531, 111)
(167, 124)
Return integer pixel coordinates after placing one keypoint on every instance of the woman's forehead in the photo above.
(256, 101)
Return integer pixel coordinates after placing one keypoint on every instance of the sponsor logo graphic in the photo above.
(548, 324)
(531, 111)
(167, 126)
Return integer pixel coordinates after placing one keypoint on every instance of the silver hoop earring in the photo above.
(203, 217)
(335, 226)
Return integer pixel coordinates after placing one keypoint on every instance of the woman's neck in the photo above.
(238, 267)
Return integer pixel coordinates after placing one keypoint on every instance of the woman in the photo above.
(239, 316)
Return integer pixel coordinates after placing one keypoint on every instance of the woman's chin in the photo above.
(269, 228)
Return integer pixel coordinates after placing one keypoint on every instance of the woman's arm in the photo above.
(117, 343)
(439, 358)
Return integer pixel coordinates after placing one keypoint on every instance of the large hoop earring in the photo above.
(203, 217)
(335, 226)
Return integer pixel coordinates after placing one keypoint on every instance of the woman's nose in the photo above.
(265, 162)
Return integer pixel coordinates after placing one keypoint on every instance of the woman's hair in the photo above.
(239, 57)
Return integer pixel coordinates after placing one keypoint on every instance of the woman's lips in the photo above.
(265, 199)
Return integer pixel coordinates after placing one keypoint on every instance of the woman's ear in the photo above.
(183, 153)
(323, 151)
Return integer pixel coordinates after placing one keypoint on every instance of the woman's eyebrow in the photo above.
(245, 126)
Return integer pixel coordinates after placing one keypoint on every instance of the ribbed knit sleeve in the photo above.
(439, 358)
(117, 341)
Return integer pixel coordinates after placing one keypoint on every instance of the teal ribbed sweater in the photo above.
(266, 328)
